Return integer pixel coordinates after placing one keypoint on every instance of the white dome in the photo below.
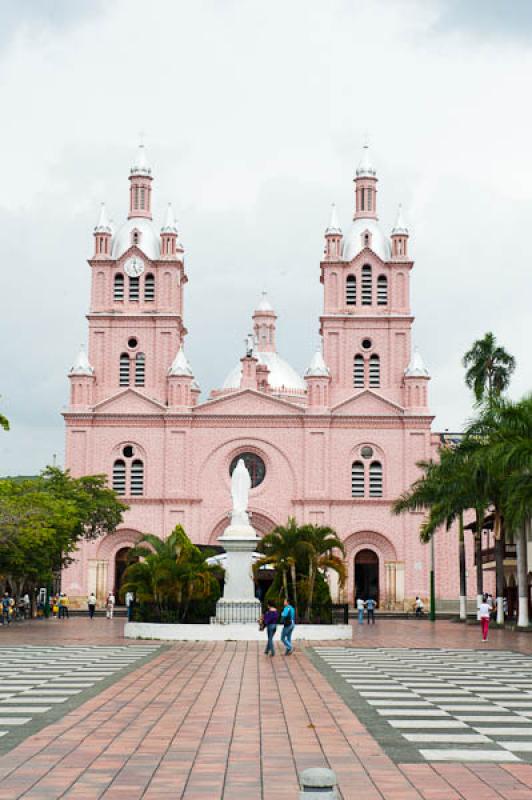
(149, 238)
(353, 240)
(281, 375)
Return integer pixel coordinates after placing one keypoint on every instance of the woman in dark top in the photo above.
(270, 623)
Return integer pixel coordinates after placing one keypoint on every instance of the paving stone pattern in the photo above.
(439, 704)
(35, 681)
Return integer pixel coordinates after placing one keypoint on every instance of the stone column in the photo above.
(102, 568)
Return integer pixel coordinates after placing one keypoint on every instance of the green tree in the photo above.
(171, 574)
(4, 422)
(322, 544)
(489, 368)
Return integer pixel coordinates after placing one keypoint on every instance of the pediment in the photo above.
(367, 256)
(247, 402)
(129, 401)
(368, 403)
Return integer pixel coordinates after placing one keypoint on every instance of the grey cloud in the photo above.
(487, 18)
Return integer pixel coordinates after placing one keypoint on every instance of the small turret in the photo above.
(170, 245)
(399, 237)
(318, 378)
(140, 179)
(82, 379)
(333, 237)
(102, 235)
(365, 188)
(181, 382)
(264, 318)
(416, 380)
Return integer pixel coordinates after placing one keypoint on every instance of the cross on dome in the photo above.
(365, 168)
(140, 164)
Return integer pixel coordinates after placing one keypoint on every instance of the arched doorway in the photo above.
(367, 575)
(121, 563)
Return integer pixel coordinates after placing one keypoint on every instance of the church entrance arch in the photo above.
(377, 566)
(122, 562)
(367, 575)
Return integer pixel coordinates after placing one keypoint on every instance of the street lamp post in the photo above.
(432, 612)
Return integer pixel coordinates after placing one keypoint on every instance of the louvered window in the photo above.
(119, 287)
(366, 285)
(140, 369)
(358, 371)
(375, 479)
(137, 478)
(351, 290)
(382, 290)
(149, 288)
(124, 370)
(374, 371)
(119, 477)
(134, 288)
(357, 479)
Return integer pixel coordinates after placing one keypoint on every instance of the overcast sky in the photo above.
(253, 116)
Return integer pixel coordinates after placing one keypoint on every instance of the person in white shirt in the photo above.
(110, 605)
(419, 606)
(360, 609)
(484, 613)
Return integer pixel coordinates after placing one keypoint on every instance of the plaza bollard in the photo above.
(317, 783)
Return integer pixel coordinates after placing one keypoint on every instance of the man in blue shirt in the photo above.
(370, 605)
(288, 618)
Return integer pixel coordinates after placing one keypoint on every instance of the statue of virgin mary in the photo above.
(240, 486)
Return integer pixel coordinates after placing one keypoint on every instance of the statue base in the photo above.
(238, 604)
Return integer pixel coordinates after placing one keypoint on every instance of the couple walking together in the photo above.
(270, 620)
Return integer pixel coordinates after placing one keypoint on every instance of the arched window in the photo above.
(375, 479)
(374, 370)
(351, 290)
(382, 290)
(124, 370)
(140, 369)
(119, 476)
(149, 288)
(119, 286)
(137, 478)
(358, 370)
(134, 288)
(366, 285)
(357, 479)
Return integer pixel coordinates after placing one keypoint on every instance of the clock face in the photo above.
(134, 267)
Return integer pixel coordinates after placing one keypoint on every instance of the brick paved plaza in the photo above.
(207, 721)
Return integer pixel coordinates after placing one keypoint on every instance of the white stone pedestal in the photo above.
(239, 604)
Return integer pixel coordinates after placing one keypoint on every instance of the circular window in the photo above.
(254, 465)
(366, 452)
(132, 343)
(366, 344)
(128, 451)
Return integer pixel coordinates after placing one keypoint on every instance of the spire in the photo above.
(365, 168)
(399, 229)
(333, 228)
(264, 303)
(416, 368)
(140, 164)
(81, 365)
(170, 224)
(180, 365)
(365, 187)
(103, 225)
(317, 367)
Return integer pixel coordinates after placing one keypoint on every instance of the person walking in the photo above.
(63, 605)
(371, 606)
(91, 603)
(54, 603)
(129, 600)
(110, 605)
(288, 618)
(484, 614)
(360, 608)
(27, 606)
(6, 608)
(419, 606)
(271, 618)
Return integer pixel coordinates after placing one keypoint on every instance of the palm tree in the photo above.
(171, 571)
(282, 548)
(489, 368)
(506, 429)
(322, 542)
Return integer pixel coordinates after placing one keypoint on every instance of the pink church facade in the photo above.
(335, 446)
